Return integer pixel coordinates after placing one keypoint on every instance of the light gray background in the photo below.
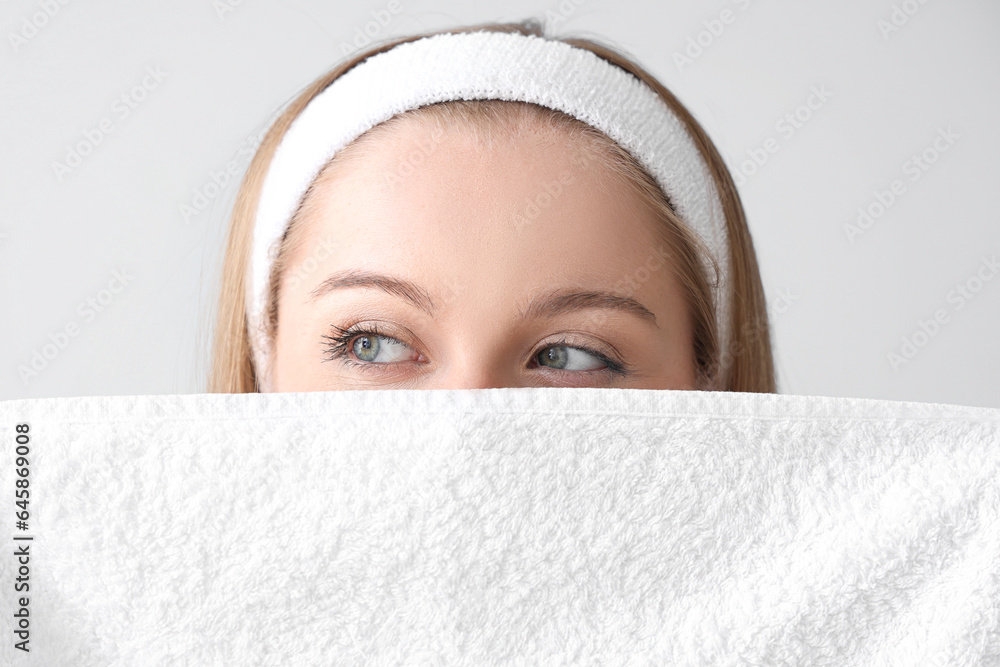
(227, 67)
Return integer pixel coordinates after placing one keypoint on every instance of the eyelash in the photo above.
(339, 348)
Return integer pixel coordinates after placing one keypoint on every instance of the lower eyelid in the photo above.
(374, 366)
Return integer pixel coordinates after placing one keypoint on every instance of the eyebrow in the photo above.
(558, 301)
(397, 287)
(547, 304)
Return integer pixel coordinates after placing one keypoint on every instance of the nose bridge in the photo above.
(475, 373)
(480, 352)
(478, 359)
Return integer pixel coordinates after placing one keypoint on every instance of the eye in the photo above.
(368, 345)
(365, 347)
(566, 358)
(378, 349)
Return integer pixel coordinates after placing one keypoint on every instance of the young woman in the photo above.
(489, 207)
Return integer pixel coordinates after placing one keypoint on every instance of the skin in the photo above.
(455, 227)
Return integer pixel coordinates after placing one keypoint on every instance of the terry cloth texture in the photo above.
(504, 526)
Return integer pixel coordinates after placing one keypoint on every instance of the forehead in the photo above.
(468, 186)
(483, 221)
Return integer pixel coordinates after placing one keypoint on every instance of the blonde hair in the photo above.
(748, 363)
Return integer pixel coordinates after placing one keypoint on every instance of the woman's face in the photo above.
(434, 262)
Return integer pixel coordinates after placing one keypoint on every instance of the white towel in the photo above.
(504, 526)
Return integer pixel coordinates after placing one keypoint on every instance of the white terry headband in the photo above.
(483, 65)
